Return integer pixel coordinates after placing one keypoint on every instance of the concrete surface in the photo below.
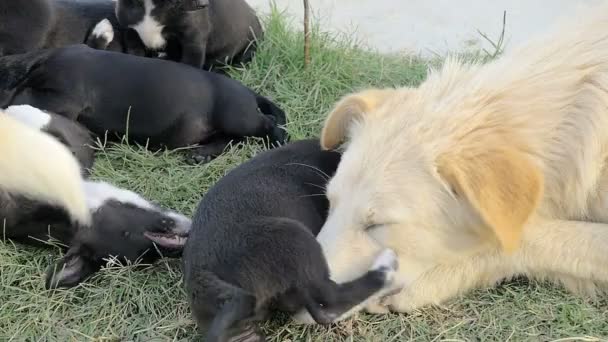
(430, 27)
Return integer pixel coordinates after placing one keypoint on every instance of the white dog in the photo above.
(481, 173)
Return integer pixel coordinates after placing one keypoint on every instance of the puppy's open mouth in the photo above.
(167, 240)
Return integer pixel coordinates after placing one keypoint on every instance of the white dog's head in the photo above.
(411, 181)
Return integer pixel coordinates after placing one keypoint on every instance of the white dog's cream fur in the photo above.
(481, 173)
(33, 163)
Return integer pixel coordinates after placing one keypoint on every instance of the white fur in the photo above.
(183, 224)
(34, 164)
(387, 260)
(548, 103)
(105, 30)
(98, 193)
(149, 30)
(30, 116)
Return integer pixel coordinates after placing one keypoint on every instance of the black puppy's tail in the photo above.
(14, 70)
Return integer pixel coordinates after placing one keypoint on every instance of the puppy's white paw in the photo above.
(303, 317)
(387, 263)
(104, 30)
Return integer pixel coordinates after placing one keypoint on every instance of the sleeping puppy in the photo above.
(201, 33)
(116, 218)
(75, 137)
(123, 224)
(252, 247)
(482, 173)
(158, 103)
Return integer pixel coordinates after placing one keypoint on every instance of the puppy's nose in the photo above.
(167, 222)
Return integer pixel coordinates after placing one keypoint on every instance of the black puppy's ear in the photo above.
(69, 271)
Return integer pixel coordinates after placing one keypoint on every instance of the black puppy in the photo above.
(252, 246)
(122, 224)
(201, 33)
(37, 24)
(121, 221)
(24, 25)
(154, 102)
(73, 135)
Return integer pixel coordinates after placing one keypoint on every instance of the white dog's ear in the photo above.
(348, 110)
(502, 185)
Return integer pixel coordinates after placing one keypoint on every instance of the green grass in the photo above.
(128, 304)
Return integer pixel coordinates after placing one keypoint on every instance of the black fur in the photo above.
(166, 104)
(252, 246)
(201, 33)
(75, 137)
(24, 25)
(70, 133)
(31, 25)
(118, 230)
(75, 20)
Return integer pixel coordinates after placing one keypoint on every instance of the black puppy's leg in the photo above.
(194, 41)
(249, 122)
(193, 55)
(207, 152)
(227, 311)
(329, 301)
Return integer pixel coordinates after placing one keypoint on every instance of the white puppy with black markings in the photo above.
(482, 173)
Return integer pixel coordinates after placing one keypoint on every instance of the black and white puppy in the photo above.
(201, 33)
(70, 133)
(252, 246)
(91, 21)
(123, 224)
(117, 220)
(27, 26)
(158, 103)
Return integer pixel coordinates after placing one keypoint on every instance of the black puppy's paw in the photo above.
(197, 159)
(249, 334)
(279, 134)
(386, 265)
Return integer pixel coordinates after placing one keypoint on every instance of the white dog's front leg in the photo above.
(575, 249)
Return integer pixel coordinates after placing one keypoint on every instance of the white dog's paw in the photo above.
(387, 263)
